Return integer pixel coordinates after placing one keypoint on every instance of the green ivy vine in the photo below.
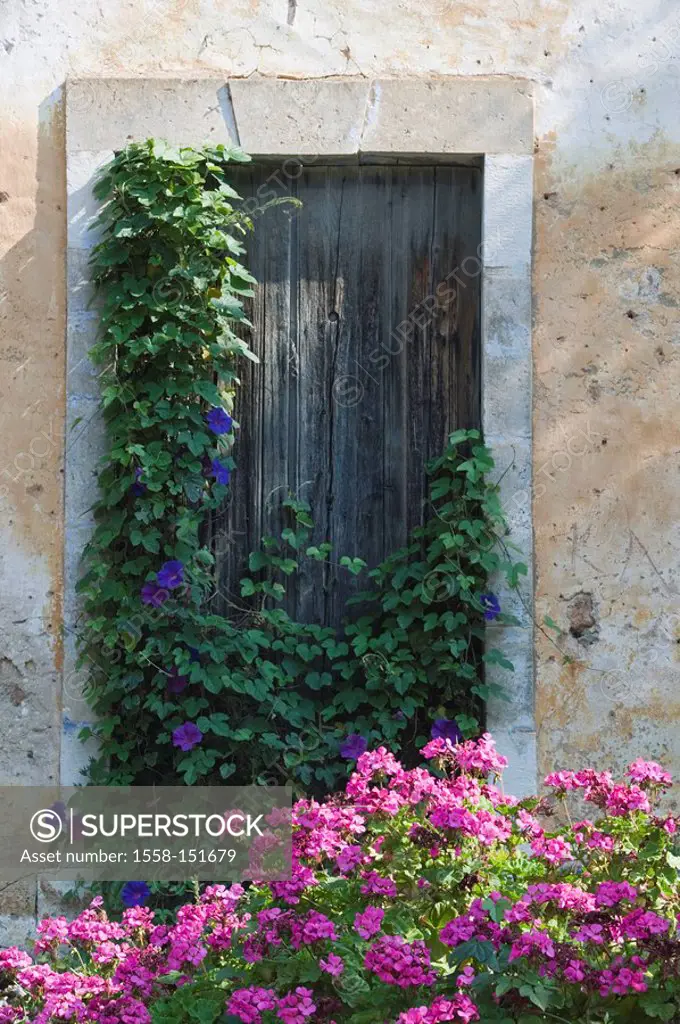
(180, 693)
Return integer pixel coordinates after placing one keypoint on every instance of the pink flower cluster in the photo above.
(477, 757)
(599, 788)
(384, 875)
(398, 962)
(460, 1008)
(565, 929)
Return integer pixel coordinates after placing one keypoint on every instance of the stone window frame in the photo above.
(488, 121)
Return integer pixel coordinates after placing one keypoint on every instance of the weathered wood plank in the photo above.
(320, 223)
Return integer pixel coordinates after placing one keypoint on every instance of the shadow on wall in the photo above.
(32, 328)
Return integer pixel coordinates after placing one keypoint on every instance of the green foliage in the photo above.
(273, 698)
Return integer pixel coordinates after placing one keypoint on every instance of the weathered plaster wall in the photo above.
(606, 340)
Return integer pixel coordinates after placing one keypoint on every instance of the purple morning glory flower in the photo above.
(135, 894)
(153, 594)
(353, 747)
(491, 606)
(138, 487)
(220, 472)
(219, 421)
(194, 654)
(187, 736)
(171, 574)
(446, 729)
(176, 683)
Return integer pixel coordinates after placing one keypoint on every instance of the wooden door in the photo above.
(366, 323)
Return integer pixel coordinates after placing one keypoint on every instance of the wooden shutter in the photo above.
(346, 406)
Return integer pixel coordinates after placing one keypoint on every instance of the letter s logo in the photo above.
(46, 826)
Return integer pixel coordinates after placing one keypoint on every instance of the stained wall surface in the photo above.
(606, 490)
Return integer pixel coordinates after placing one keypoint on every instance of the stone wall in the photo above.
(606, 338)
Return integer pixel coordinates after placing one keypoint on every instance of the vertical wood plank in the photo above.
(320, 225)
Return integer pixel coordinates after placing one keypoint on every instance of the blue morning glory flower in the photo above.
(353, 747)
(138, 487)
(135, 894)
(187, 736)
(219, 421)
(491, 606)
(220, 472)
(171, 574)
(446, 729)
(153, 594)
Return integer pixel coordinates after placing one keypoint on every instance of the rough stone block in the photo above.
(80, 293)
(108, 113)
(84, 446)
(507, 211)
(516, 644)
(17, 929)
(81, 206)
(82, 376)
(512, 721)
(299, 118)
(75, 755)
(76, 713)
(513, 472)
(520, 747)
(464, 115)
(506, 354)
